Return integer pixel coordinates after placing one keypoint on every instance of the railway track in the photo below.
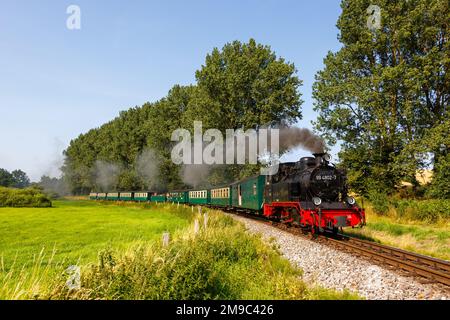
(432, 269)
(435, 270)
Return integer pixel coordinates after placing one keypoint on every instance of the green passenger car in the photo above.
(248, 193)
(126, 196)
(158, 198)
(113, 196)
(221, 197)
(177, 196)
(93, 196)
(101, 196)
(142, 196)
(199, 197)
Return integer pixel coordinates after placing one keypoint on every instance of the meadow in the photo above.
(73, 231)
(119, 250)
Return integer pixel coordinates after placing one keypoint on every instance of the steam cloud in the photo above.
(289, 138)
(195, 174)
(148, 162)
(292, 137)
(55, 186)
(147, 166)
(107, 174)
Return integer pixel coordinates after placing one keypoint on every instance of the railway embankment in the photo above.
(335, 269)
(421, 226)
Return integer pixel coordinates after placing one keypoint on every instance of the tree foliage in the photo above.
(243, 85)
(20, 179)
(16, 179)
(5, 178)
(54, 187)
(385, 93)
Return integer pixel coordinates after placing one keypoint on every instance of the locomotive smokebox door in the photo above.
(341, 221)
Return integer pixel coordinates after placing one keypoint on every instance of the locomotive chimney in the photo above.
(318, 157)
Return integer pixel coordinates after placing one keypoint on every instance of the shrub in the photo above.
(440, 184)
(379, 201)
(401, 206)
(431, 210)
(10, 197)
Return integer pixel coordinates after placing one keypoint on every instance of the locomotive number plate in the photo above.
(326, 177)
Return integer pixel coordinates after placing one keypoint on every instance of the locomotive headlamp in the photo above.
(317, 201)
(327, 157)
(350, 200)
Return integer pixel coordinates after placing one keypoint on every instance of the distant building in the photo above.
(423, 177)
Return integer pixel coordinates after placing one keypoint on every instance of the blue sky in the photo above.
(56, 83)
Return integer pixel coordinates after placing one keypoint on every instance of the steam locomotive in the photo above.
(311, 194)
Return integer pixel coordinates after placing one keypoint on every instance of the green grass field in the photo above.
(119, 251)
(77, 230)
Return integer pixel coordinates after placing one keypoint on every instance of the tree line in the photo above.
(384, 96)
(242, 85)
(18, 179)
(15, 179)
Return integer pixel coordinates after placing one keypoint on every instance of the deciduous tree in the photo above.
(386, 88)
(6, 178)
(20, 179)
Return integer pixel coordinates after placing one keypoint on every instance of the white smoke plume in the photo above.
(289, 138)
(106, 174)
(147, 167)
(195, 174)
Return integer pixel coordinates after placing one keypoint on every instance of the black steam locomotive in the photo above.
(311, 193)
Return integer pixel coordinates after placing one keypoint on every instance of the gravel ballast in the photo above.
(331, 268)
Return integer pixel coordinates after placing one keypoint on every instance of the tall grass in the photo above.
(25, 282)
(431, 210)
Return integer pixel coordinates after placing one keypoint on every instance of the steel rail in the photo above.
(437, 264)
(394, 257)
